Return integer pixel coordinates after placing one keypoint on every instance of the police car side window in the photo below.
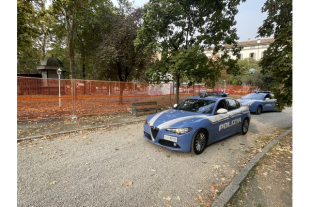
(232, 104)
(221, 105)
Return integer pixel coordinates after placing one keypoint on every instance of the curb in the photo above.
(234, 185)
(77, 130)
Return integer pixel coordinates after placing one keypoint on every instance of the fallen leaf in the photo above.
(167, 198)
(53, 183)
(128, 184)
(168, 156)
(216, 166)
(215, 185)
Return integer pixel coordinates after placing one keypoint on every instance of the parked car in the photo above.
(197, 122)
(260, 101)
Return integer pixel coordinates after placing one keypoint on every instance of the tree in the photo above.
(180, 30)
(92, 22)
(65, 11)
(28, 52)
(277, 58)
(116, 50)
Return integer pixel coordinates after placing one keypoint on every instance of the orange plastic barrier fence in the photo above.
(39, 98)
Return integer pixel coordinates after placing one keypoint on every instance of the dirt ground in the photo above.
(270, 182)
(47, 127)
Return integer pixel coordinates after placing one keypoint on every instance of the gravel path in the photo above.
(117, 167)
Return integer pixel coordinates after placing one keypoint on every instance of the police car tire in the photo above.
(258, 110)
(202, 135)
(245, 126)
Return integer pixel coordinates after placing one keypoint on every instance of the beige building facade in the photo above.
(250, 49)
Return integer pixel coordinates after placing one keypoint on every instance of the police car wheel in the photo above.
(258, 110)
(199, 142)
(245, 126)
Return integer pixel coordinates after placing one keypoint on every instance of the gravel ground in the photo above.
(117, 167)
(270, 182)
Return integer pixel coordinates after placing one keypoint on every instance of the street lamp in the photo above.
(252, 71)
(59, 73)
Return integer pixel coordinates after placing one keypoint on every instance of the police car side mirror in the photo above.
(175, 105)
(222, 111)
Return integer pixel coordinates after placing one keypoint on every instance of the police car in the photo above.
(197, 122)
(260, 101)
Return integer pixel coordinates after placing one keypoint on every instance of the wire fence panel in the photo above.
(39, 98)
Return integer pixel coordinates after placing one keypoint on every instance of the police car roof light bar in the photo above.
(262, 91)
(203, 95)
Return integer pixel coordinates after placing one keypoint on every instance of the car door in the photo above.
(221, 122)
(235, 115)
(269, 103)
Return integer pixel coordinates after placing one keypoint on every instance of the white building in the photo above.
(250, 49)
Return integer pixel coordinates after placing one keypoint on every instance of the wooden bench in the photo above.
(144, 106)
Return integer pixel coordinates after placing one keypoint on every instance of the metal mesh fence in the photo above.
(39, 98)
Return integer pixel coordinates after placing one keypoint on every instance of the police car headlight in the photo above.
(146, 122)
(248, 104)
(180, 130)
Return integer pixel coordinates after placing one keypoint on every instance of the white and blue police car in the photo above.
(197, 122)
(260, 101)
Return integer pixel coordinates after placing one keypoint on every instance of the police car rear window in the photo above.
(254, 96)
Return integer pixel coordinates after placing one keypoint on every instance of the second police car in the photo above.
(260, 101)
(197, 122)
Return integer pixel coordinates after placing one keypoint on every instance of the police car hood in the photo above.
(175, 118)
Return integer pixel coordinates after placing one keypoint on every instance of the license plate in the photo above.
(170, 138)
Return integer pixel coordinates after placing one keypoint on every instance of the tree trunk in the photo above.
(121, 87)
(70, 27)
(177, 75)
(121, 90)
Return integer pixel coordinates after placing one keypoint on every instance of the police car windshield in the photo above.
(254, 96)
(197, 105)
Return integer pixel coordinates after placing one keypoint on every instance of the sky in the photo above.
(249, 18)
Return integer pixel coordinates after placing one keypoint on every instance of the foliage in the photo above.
(262, 81)
(74, 31)
(278, 57)
(29, 14)
(180, 30)
(116, 48)
(65, 12)
(92, 22)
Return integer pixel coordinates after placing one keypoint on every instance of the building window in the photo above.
(262, 55)
(252, 55)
